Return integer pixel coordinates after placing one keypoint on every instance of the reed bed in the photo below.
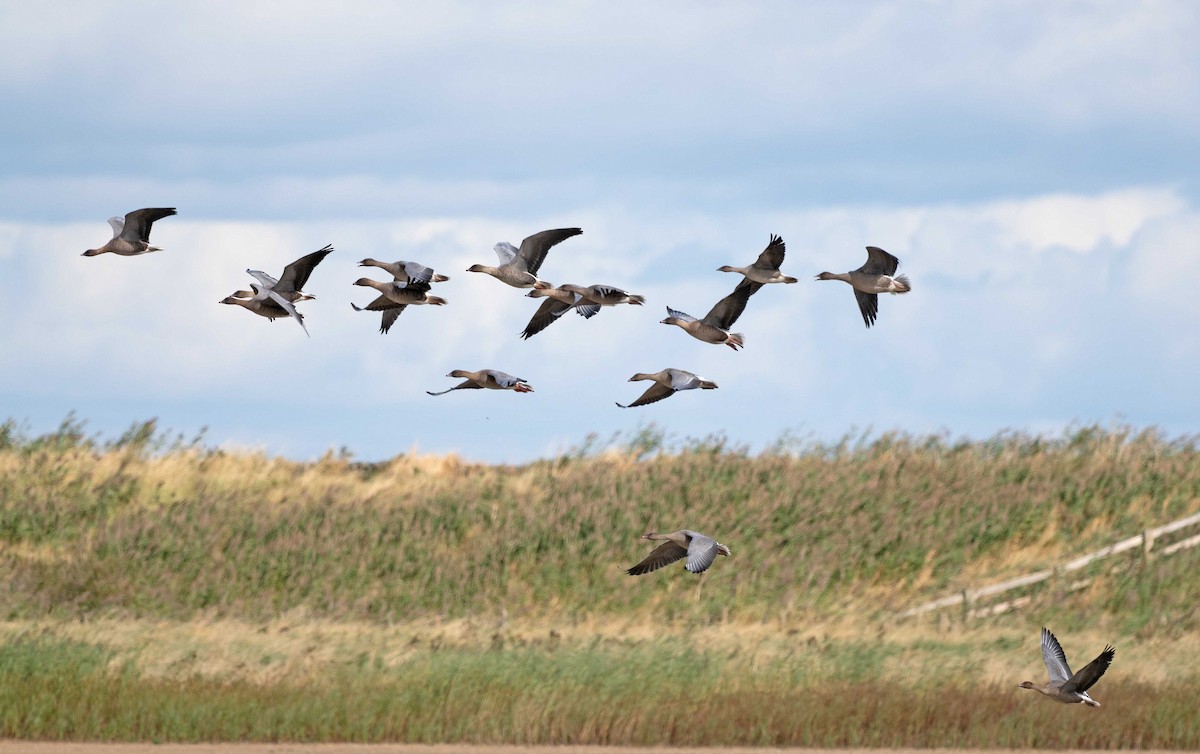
(131, 527)
(489, 602)
(53, 691)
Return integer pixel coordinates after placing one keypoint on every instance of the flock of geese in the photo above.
(411, 283)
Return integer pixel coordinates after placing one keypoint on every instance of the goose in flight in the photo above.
(714, 327)
(765, 269)
(586, 301)
(284, 291)
(877, 275)
(666, 383)
(486, 378)
(131, 236)
(594, 296)
(699, 550)
(1063, 686)
(406, 272)
(558, 302)
(519, 267)
(394, 298)
(258, 303)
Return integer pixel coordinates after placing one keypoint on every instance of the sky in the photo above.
(1033, 165)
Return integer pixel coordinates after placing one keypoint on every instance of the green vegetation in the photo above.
(158, 589)
(545, 696)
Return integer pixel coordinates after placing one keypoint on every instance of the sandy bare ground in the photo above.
(40, 747)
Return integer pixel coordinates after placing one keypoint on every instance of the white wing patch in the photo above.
(263, 278)
(702, 551)
(681, 380)
(287, 306)
(418, 273)
(506, 251)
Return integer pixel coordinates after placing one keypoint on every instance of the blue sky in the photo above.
(1032, 164)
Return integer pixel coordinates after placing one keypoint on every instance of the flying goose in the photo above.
(258, 304)
(586, 301)
(700, 551)
(765, 269)
(488, 378)
(287, 289)
(393, 299)
(666, 383)
(1063, 686)
(406, 272)
(558, 302)
(714, 328)
(131, 236)
(877, 275)
(594, 296)
(519, 267)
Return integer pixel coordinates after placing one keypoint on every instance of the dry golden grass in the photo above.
(165, 575)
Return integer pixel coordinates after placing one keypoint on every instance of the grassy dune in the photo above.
(162, 590)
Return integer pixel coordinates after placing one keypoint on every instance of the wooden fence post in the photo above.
(1147, 543)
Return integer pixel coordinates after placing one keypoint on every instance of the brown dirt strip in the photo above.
(53, 747)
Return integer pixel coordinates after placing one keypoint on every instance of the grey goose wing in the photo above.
(728, 309)
(879, 262)
(653, 394)
(137, 223)
(1087, 677)
(868, 304)
(772, 256)
(535, 248)
(663, 555)
(296, 274)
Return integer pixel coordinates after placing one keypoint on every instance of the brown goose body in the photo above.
(519, 267)
(131, 235)
(666, 383)
(406, 272)
(487, 378)
(1064, 686)
(877, 275)
(394, 298)
(765, 269)
(714, 327)
(700, 550)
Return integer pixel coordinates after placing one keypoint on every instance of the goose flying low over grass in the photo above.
(765, 269)
(1063, 686)
(406, 272)
(131, 235)
(699, 550)
(877, 275)
(283, 292)
(714, 327)
(666, 383)
(486, 378)
(519, 267)
(394, 298)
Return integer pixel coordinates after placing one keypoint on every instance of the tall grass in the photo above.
(615, 696)
(149, 532)
(147, 528)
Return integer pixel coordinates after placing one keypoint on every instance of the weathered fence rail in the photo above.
(969, 598)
